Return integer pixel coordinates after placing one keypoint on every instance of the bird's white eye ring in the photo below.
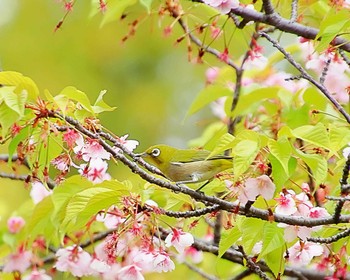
(155, 152)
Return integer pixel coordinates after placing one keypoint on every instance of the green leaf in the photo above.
(339, 137)
(275, 260)
(224, 143)
(251, 233)
(335, 22)
(101, 106)
(317, 163)
(83, 205)
(7, 118)
(281, 150)
(278, 173)
(115, 10)
(10, 78)
(23, 134)
(272, 239)
(40, 222)
(317, 135)
(228, 238)
(64, 192)
(14, 100)
(251, 101)
(208, 95)
(147, 4)
(72, 93)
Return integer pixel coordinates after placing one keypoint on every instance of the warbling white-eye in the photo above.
(186, 166)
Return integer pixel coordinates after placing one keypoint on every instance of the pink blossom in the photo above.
(278, 79)
(261, 185)
(346, 152)
(179, 239)
(70, 137)
(62, 162)
(75, 260)
(37, 275)
(112, 219)
(192, 253)
(144, 259)
(301, 253)
(292, 232)
(211, 74)
(303, 204)
(95, 171)
(15, 224)
(218, 108)
(286, 204)
(19, 261)
(130, 145)
(93, 150)
(112, 273)
(130, 272)
(39, 192)
(98, 266)
(223, 6)
(318, 212)
(162, 262)
(224, 56)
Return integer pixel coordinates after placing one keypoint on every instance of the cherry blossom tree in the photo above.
(277, 83)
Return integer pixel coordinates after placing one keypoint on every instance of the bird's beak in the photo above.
(140, 155)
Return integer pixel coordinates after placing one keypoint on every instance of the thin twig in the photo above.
(252, 265)
(194, 213)
(268, 8)
(200, 271)
(331, 239)
(294, 13)
(325, 71)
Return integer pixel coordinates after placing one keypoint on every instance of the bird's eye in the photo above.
(155, 152)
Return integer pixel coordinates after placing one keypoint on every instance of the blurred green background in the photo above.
(147, 78)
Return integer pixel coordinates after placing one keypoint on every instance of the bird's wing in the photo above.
(195, 155)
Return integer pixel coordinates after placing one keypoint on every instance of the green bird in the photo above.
(186, 165)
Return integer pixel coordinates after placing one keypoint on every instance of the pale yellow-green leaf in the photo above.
(100, 105)
(11, 78)
(224, 143)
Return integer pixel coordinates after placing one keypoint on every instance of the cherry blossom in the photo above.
(179, 239)
(95, 171)
(37, 275)
(261, 185)
(18, 261)
(192, 253)
(112, 273)
(223, 6)
(93, 150)
(62, 162)
(130, 145)
(162, 262)
(38, 192)
(15, 224)
(99, 266)
(75, 260)
(346, 151)
(112, 219)
(291, 232)
(70, 137)
(286, 204)
(211, 74)
(301, 253)
(144, 259)
(130, 272)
